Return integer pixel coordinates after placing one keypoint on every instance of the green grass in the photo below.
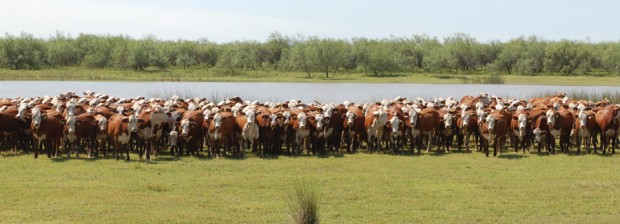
(202, 75)
(360, 188)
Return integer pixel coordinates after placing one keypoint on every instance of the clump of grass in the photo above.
(157, 187)
(494, 79)
(304, 203)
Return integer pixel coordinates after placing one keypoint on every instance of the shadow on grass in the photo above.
(59, 159)
(512, 156)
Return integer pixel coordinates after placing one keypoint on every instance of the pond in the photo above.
(308, 92)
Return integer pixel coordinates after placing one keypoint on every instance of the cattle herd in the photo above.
(99, 124)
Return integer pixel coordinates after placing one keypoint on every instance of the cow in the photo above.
(221, 132)
(120, 129)
(520, 130)
(585, 129)
(353, 124)
(264, 128)
(78, 128)
(10, 127)
(607, 120)
(102, 135)
(427, 123)
(248, 128)
(560, 125)
(46, 130)
(301, 130)
(444, 131)
(376, 118)
(494, 130)
(190, 132)
(541, 133)
(467, 126)
(396, 128)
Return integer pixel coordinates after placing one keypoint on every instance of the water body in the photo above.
(307, 92)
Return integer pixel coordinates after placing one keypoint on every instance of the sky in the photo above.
(237, 20)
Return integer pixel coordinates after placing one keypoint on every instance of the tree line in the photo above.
(458, 53)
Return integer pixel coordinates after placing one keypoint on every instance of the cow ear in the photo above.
(125, 119)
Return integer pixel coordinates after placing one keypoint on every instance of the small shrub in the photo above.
(304, 204)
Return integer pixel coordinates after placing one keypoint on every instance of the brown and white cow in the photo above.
(248, 128)
(46, 130)
(467, 126)
(585, 129)
(494, 130)
(221, 132)
(102, 135)
(353, 124)
(376, 118)
(560, 125)
(520, 129)
(191, 132)
(77, 129)
(120, 129)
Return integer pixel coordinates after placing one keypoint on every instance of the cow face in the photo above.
(413, 117)
(103, 124)
(250, 116)
(522, 120)
(302, 119)
(447, 120)
(132, 123)
(551, 116)
(319, 121)
(70, 109)
(537, 134)
(217, 120)
(395, 124)
(71, 124)
(583, 118)
(185, 127)
(381, 117)
(491, 123)
(350, 116)
(465, 119)
(273, 120)
(37, 117)
(287, 117)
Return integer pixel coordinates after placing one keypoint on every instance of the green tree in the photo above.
(23, 52)
(376, 56)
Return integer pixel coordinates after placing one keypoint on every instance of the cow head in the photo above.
(537, 135)
(302, 119)
(37, 117)
(381, 117)
(413, 117)
(522, 120)
(447, 120)
(70, 109)
(273, 120)
(319, 121)
(250, 115)
(465, 119)
(395, 124)
(551, 117)
(287, 117)
(491, 123)
(71, 123)
(217, 120)
(583, 118)
(185, 127)
(350, 116)
(21, 111)
(132, 122)
(103, 124)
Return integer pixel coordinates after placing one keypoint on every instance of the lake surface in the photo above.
(308, 92)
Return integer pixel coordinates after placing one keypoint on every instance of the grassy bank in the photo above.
(361, 188)
(77, 73)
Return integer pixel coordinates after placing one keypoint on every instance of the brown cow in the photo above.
(541, 133)
(494, 130)
(46, 130)
(120, 129)
(78, 128)
(247, 129)
(353, 124)
(520, 129)
(585, 129)
(427, 124)
(102, 135)
(560, 125)
(376, 118)
(467, 126)
(395, 128)
(221, 132)
(607, 120)
(190, 132)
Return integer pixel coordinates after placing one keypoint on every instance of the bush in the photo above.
(304, 204)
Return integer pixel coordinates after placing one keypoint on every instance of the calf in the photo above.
(585, 129)
(541, 135)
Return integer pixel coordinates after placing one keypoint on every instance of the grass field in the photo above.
(83, 74)
(358, 188)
